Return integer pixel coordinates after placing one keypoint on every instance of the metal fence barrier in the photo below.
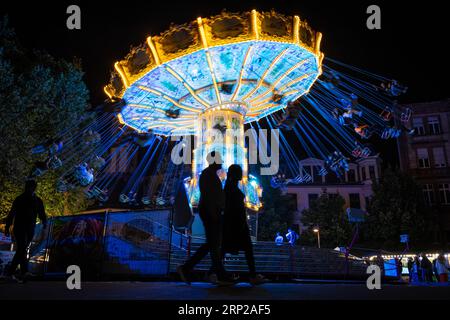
(145, 244)
(101, 244)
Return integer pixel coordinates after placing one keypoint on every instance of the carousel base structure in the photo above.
(116, 244)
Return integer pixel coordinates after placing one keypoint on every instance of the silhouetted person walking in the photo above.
(210, 210)
(427, 268)
(236, 234)
(24, 212)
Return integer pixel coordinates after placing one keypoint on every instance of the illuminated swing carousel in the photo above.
(208, 79)
(217, 74)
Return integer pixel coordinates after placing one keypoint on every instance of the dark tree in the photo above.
(327, 212)
(397, 207)
(277, 214)
(40, 96)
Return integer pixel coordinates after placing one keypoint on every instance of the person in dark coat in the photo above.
(236, 234)
(399, 265)
(25, 209)
(435, 272)
(427, 268)
(210, 208)
(410, 268)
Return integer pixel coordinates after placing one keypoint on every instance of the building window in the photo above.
(292, 198)
(439, 157)
(418, 126)
(367, 199)
(372, 172)
(307, 171)
(444, 193)
(332, 195)
(433, 125)
(363, 173)
(355, 202)
(428, 193)
(311, 198)
(331, 177)
(351, 175)
(317, 177)
(422, 155)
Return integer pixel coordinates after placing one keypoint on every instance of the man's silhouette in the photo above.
(24, 212)
(210, 208)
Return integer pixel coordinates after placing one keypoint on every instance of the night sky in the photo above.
(410, 47)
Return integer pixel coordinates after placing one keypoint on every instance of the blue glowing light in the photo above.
(187, 84)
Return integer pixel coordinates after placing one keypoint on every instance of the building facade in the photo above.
(426, 156)
(355, 187)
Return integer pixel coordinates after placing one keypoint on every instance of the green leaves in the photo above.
(397, 207)
(278, 211)
(327, 212)
(40, 96)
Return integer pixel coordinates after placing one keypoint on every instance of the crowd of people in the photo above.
(421, 269)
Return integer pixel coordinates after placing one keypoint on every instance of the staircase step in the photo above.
(270, 258)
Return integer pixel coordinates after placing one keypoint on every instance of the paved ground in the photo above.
(57, 290)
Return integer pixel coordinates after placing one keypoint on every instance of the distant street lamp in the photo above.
(316, 230)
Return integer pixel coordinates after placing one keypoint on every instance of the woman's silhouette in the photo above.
(210, 211)
(236, 234)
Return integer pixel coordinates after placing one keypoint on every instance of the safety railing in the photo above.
(270, 258)
(134, 243)
(144, 243)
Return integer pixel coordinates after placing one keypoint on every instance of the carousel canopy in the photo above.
(253, 63)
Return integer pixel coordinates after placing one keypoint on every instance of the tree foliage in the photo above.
(397, 207)
(40, 97)
(327, 213)
(278, 212)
